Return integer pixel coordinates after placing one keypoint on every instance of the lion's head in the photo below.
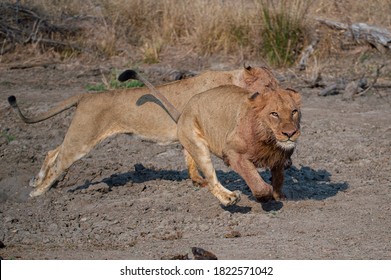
(278, 116)
(254, 79)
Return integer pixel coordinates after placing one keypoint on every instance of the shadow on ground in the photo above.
(300, 183)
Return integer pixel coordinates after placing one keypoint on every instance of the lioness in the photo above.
(135, 111)
(246, 129)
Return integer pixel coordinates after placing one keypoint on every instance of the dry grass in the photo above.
(285, 29)
(376, 12)
(204, 26)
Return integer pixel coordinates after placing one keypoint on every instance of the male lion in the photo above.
(245, 129)
(135, 111)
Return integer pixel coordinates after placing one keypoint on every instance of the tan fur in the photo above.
(246, 130)
(135, 111)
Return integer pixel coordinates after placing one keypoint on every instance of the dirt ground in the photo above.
(132, 199)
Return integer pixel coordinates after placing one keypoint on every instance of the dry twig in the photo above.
(22, 25)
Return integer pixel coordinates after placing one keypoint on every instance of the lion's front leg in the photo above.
(202, 157)
(245, 168)
(277, 182)
(198, 153)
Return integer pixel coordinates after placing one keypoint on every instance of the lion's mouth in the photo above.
(286, 144)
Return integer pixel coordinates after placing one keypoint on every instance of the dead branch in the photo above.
(22, 25)
(333, 24)
(308, 51)
(378, 72)
(378, 37)
(354, 88)
(333, 89)
(382, 86)
(316, 81)
(32, 65)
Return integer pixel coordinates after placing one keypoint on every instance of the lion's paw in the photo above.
(231, 199)
(37, 192)
(264, 194)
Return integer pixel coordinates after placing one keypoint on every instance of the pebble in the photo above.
(233, 234)
(204, 227)
(101, 187)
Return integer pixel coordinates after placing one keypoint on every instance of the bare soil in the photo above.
(132, 199)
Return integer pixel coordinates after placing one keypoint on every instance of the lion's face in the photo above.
(281, 115)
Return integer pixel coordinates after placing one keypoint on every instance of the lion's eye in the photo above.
(274, 114)
(294, 112)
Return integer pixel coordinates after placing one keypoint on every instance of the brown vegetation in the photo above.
(243, 28)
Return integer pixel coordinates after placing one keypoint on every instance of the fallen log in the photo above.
(353, 88)
(378, 37)
(333, 89)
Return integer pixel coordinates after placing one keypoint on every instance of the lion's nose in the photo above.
(289, 133)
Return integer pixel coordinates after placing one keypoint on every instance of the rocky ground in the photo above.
(132, 199)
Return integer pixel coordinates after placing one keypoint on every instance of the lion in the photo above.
(246, 129)
(132, 111)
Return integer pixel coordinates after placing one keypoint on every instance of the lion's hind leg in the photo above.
(50, 158)
(194, 175)
(57, 163)
(45, 180)
(77, 143)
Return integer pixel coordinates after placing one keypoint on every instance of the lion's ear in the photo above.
(253, 95)
(263, 74)
(295, 96)
(249, 71)
(249, 76)
(247, 67)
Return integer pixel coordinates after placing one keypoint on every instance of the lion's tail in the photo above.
(64, 105)
(131, 74)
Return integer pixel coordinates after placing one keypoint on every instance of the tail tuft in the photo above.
(127, 75)
(12, 101)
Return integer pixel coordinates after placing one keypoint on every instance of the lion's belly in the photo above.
(160, 136)
(163, 131)
(147, 121)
